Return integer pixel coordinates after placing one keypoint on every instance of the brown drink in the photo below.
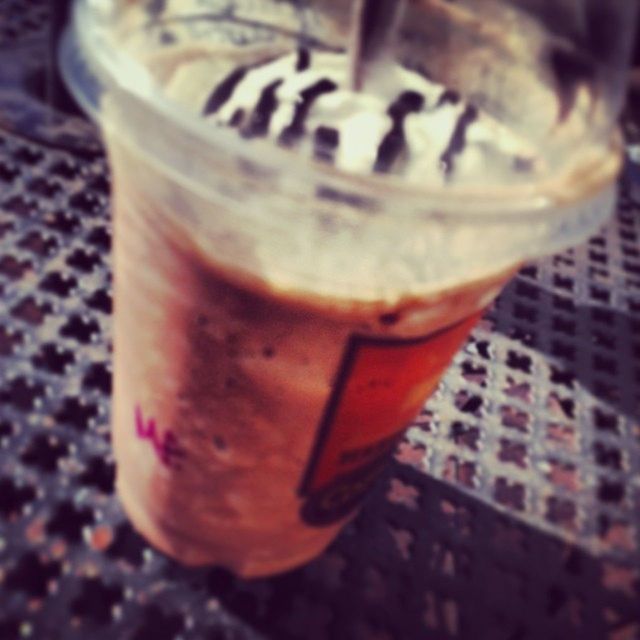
(249, 423)
(279, 322)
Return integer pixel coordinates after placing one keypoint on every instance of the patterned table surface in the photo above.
(511, 510)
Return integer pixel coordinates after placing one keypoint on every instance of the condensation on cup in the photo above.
(303, 238)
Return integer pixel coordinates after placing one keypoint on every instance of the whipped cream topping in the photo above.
(400, 123)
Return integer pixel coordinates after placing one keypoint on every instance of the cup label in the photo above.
(380, 387)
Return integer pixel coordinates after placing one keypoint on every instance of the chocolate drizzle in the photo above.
(326, 141)
(261, 116)
(393, 150)
(458, 140)
(448, 96)
(304, 59)
(395, 142)
(293, 132)
(224, 91)
(237, 118)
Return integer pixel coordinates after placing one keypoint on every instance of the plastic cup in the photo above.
(279, 322)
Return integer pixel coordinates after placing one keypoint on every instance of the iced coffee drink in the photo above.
(298, 255)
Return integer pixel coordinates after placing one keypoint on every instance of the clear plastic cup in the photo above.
(279, 321)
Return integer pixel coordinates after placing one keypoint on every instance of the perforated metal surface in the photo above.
(532, 443)
(20, 20)
(542, 414)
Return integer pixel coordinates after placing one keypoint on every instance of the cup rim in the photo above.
(84, 43)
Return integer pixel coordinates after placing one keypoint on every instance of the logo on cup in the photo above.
(381, 386)
(341, 497)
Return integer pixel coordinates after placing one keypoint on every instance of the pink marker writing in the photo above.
(165, 445)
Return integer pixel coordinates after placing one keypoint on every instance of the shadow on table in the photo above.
(425, 561)
(595, 345)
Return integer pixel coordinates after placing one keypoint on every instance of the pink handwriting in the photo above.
(166, 446)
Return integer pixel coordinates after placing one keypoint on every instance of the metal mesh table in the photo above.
(511, 510)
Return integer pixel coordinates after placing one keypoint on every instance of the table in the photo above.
(511, 509)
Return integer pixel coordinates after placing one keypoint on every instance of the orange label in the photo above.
(380, 387)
